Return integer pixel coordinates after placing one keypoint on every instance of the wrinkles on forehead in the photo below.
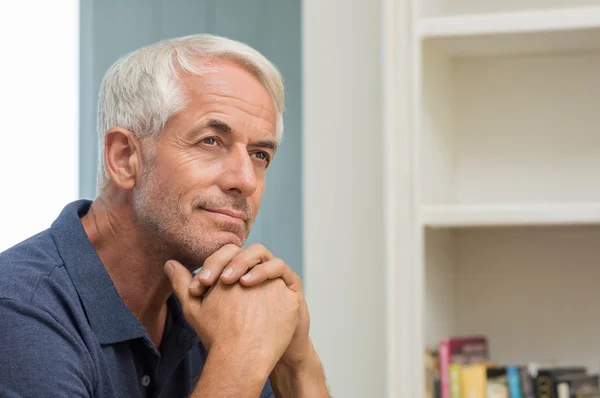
(228, 80)
(232, 94)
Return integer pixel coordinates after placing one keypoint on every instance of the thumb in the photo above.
(180, 279)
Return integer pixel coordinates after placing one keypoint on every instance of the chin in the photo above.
(228, 238)
(213, 241)
(193, 257)
(197, 241)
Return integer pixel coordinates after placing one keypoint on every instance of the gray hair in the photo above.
(141, 91)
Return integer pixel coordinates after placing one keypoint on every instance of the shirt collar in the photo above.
(111, 320)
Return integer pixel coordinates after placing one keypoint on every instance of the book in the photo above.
(432, 373)
(568, 386)
(496, 383)
(462, 350)
(595, 394)
(455, 380)
(546, 381)
(526, 379)
(513, 379)
(473, 380)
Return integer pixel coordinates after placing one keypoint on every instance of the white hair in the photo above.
(141, 91)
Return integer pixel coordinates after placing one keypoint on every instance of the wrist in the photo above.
(241, 363)
(308, 363)
(224, 376)
(300, 379)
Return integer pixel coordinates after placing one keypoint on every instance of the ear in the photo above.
(122, 157)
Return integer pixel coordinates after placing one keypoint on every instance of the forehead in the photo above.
(229, 90)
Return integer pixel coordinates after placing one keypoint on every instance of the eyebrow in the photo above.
(226, 129)
(219, 125)
(267, 144)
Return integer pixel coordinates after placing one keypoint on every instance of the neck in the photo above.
(134, 266)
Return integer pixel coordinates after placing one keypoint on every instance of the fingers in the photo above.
(245, 260)
(272, 269)
(231, 262)
(213, 268)
(180, 279)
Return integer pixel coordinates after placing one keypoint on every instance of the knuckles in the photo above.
(258, 247)
(279, 262)
(212, 261)
(291, 299)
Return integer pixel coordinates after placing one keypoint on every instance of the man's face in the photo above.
(203, 179)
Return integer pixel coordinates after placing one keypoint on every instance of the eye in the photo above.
(262, 156)
(209, 141)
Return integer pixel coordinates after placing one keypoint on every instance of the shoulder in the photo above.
(24, 265)
(33, 276)
(35, 289)
(43, 350)
(40, 355)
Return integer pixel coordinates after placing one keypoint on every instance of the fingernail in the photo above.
(247, 277)
(195, 284)
(205, 274)
(228, 271)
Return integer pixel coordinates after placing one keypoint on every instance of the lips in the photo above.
(228, 213)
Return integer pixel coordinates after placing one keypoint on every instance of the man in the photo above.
(103, 303)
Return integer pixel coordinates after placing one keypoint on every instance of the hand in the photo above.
(299, 372)
(250, 267)
(250, 327)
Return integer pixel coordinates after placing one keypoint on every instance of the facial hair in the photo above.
(172, 233)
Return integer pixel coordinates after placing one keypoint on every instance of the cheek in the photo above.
(195, 171)
(192, 180)
(198, 177)
(256, 198)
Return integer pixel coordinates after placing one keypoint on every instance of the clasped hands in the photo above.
(263, 326)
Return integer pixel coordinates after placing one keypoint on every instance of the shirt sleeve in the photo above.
(39, 357)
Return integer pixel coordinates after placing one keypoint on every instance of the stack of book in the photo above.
(461, 367)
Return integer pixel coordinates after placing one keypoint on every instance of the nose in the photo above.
(239, 177)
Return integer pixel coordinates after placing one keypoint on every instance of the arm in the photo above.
(229, 375)
(39, 356)
(303, 380)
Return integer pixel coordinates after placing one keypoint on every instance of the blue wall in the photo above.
(112, 28)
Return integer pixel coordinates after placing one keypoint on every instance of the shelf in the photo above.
(556, 30)
(444, 216)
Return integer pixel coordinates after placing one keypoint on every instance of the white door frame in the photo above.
(405, 377)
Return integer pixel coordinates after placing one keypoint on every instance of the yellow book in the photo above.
(455, 391)
(473, 380)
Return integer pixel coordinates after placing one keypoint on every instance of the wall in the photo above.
(343, 193)
(112, 28)
(38, 151)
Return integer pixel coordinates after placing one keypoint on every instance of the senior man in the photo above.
(104, 303)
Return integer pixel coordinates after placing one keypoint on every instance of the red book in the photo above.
(461, 350)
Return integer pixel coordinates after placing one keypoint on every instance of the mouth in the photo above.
(228, 215)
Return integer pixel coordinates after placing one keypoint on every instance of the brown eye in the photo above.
(262, 156)
(209, 141)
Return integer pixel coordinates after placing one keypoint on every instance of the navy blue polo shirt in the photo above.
(66, 332)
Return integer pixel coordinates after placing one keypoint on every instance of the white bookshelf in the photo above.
(505, 172)
(502, 215)
(515, 32)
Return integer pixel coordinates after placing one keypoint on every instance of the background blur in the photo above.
(322, 210)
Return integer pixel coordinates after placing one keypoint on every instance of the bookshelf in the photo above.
(505, 179)
(502, 215)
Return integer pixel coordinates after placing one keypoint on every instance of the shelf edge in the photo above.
(509, 23)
